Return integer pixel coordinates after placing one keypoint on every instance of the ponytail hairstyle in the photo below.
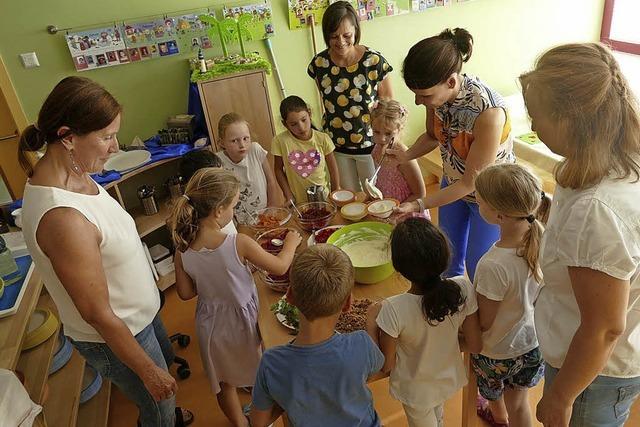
(433, 60)
(420, 252)
(208, 190)
(513, 191)
(581, 86)
(394, 114)
(294, 104)
(78, 103)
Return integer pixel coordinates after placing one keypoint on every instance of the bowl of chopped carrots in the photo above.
(269, 218)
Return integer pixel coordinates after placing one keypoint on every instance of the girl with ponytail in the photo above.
(213, 265)
(418, 331)
(468, 122)
(507, 282)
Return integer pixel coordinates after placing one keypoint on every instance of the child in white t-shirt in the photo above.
(248, 161)
(418, 331)
(507, 282)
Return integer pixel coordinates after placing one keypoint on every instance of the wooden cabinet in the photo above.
(243, 93)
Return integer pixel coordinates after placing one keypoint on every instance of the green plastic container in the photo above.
(370, 230)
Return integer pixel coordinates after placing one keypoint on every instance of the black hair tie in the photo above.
(530, 218)
(543, 195)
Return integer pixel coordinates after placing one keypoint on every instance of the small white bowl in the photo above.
(354, 211)
(342, 197)
(17, 217)
(382, 208)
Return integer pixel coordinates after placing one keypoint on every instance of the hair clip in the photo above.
(543, 195)
(403, 110)
(375, 105)
(186, 197)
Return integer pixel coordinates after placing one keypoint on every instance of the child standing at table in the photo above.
(404, 181)
(212, 265)
(303, 155)
(248, 161)
(418, 331)
(320, 378)
(195, 160)
(507, 282)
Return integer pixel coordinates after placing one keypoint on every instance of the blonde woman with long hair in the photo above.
(213, 266)
(507, 283)
(588, 312)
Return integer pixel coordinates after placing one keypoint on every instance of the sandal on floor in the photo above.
(184, 417)
(483, 411)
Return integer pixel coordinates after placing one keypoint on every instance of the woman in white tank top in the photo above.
(87, 249)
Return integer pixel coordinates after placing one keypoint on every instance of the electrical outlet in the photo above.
(29, 60)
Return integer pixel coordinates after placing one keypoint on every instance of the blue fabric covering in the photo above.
(195, 108)
(106, 177)
(11, 292)
(159, 152)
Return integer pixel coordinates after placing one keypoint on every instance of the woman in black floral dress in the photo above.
(350, 77)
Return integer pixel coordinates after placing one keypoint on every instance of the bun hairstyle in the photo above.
(433, 60)
(78, 103)
(393, 113)
(513, 191)
(207, 190)
(333, 17)
(420, 252)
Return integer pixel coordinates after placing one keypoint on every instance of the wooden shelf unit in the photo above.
(165, 281)
(61, 409)
(147, 224)
(34, 363)
(13, 328)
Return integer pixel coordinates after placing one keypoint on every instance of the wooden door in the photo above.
(12, 174)
(245, 94)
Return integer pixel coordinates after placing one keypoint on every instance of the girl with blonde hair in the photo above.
(213, 265)
(588, 313)
(507, 282)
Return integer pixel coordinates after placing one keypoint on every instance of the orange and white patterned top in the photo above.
(453, 128)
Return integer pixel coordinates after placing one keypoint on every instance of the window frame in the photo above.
(605, 33)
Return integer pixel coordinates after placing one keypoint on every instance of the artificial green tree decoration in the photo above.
(244, 32)
(222, 28)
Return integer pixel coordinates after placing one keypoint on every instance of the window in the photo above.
(620, 26)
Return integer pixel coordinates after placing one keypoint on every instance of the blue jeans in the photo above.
(469, 234)
(604, 403)
(154, 341)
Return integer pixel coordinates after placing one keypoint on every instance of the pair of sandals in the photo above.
(483, 411)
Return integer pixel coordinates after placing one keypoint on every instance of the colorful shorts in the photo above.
(493, 375)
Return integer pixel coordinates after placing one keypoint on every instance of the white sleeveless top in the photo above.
(133, 295)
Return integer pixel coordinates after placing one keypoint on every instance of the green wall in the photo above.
(508, 34)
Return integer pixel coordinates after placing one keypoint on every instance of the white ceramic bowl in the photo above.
(354, 211)
(342, 197)
(382, 208)
(17, 217)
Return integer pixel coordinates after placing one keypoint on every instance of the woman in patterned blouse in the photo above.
(350, 77)
(469, 122)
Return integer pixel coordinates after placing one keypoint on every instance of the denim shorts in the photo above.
(606, 402)
(493, 375)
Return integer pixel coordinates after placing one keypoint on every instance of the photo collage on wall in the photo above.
(101, 47)
(259, 27)
(138, 41)
(367, 10)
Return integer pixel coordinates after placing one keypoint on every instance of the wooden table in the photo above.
(273, 333)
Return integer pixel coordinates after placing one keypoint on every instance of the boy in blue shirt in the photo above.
(320, 378)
